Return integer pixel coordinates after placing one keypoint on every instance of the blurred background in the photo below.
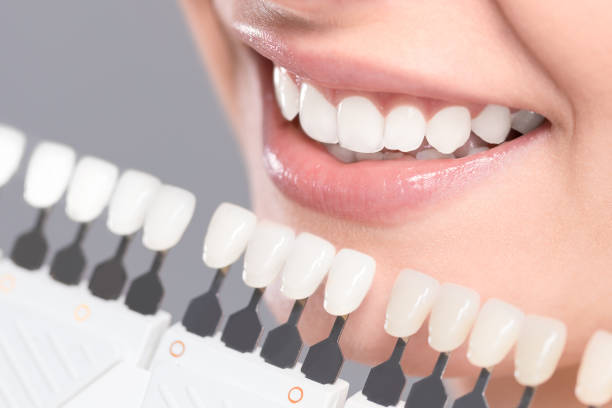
(123, 81)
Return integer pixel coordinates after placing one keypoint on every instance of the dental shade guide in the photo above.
(12, 146)
(594, 381)
(166, 221)
(47, 177)
(226, 238)
(306, 266)
(355, 269)
(409, 305)
(88, 194)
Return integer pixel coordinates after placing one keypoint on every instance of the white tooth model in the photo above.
(594, 385)
(12, 145)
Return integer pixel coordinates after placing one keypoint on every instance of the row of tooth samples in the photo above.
(357, 125)
(135, 200)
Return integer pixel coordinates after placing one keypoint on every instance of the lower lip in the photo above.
(367, 191)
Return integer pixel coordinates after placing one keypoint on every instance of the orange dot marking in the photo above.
(295, 395)
(7, 282)
(177, 348)
(82, 313)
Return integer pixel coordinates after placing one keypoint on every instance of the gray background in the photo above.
(122, 80)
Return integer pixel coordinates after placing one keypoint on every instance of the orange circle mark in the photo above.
(177, 348)
(82, 313)
(7, 282)
(295, 395)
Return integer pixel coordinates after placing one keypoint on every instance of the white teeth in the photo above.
(360, 125)
(287, 93)
(495, 332)
(492, 124)
(432, 154)
(452, 317)
(594, 385)
(12, 145)
(411, 300)
(48, 174)
(167, 218)
(449, 129)
(404, 129)
(318, 117)
(340, 153)
(131, 200)
(227, 236)
(349, 280)
(90, 189)
(538, 350)
(525, 121)
(309, 261)
(266, 253)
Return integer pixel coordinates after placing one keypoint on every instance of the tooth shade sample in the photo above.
(449, 129)
(594, 386)
(309, 261)
(452, 317)
(525, 121)
(404, 129)
(412, 298)
(90, 189)
(538, 350)
(266, 253)
(360, 125)
(492, 124)
(130, 201)
(229, 231)
(167, 218)
(48, 174)
(12, 145)
(287, 93)
(495, 332)
(349, 280)
(317, 115)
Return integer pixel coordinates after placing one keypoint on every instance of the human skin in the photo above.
(534, 232)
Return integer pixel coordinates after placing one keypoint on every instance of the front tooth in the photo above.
(287, 93)
(432, 154)
(308, 263)
(12, 145)
(48, 174)
(411, 301)
(228, 233)
(266, 252)
(449, 129)
(524, 121)
(452, 317)
(360, 125)
(404, 129)
(167, 218)
(349, 280)
(538, 350)
(495, 332)
(340, 153)
(594, 385)
(318, 117)
(492, 124)
(131, 200)
(90, 189)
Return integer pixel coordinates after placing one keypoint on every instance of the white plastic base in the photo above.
(360, 401)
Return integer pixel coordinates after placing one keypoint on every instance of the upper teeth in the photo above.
(356, 123)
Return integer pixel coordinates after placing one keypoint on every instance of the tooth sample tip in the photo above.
(452, 317)
(449, 129)
(360, 125)
(318, 117)
(266, 252)
(287, 93)
(349, 280)
(227, 236)
(594, 385)
(411, 300)
(492, 124)
(495, 332)
(12, 145)
(404, 129)
(538, 350)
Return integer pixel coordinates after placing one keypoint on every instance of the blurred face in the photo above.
(468, 140)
